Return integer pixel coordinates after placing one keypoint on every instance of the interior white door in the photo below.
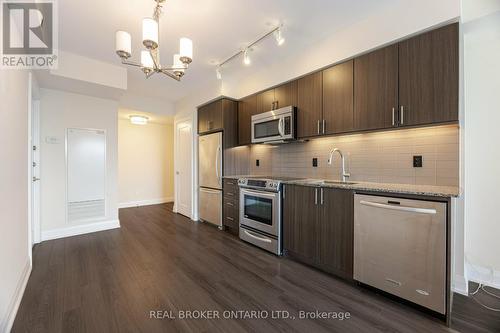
(183, 171)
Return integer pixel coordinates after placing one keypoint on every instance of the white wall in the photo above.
(14, 241)
(59, 111)
(145, 163)
(481, 30)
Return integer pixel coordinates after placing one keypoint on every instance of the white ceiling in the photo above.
(218, 29)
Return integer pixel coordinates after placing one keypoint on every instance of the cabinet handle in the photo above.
(402, 115)
(229, 218)
(318, 126)
(284, 191)
(324, 125)
(229, 204)
(393, 116)
(322, 196)
(315, 196)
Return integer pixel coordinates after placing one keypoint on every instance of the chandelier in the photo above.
(150, 57)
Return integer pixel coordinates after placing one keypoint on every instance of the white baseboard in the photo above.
(486, 276)
(79, 229)
(145, 202)
(460, 285)
(7, 323)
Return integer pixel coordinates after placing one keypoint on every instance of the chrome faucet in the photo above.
(345, 175)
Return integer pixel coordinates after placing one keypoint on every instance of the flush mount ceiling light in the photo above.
(150, 58)
(245, 51)
(139, 120)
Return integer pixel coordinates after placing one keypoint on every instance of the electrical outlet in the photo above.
(315, 162)
(257, 162)
(417, 161)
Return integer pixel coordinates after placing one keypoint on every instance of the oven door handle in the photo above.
(262, 194)
(265, 240)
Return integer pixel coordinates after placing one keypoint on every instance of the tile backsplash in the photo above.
(374, 157)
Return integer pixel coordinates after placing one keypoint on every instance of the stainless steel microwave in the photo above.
(276, 126)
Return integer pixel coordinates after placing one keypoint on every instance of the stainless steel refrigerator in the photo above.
(210, 177)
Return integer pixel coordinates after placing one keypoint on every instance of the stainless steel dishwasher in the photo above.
(400, 248)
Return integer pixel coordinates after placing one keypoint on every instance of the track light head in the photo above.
(279, 37)
(218, 72)
(246, 57)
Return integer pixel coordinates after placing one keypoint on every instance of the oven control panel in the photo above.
(260, 184)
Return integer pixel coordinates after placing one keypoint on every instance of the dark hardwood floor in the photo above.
(470, 316)
(110, 281)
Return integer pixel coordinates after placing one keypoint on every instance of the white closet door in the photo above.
(86, 172)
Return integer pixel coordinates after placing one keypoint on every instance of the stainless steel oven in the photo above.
(260, 213)
(260, 210)
(274, 126)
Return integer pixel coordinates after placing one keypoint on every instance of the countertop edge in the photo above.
(375, 187)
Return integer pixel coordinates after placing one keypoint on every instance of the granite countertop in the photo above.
(428, 190)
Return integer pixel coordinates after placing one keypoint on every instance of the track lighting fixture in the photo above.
(245, 52)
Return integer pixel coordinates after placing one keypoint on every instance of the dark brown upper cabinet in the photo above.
(410, 83)
(428, 77)
(220, 115)
(376, 89)
(281, 96)
(338, 98)
(285, 95)
(210, 117)
(264, 101)
(246, 108)
(309, 105)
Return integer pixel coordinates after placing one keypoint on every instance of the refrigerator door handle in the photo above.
(218, 151)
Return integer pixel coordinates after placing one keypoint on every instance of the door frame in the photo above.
(194, 178)
(33, 124)
(35, 193)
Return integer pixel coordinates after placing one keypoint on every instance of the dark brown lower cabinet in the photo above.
(231, 209)
(336, 232)
(300, 220)
(318, 227)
